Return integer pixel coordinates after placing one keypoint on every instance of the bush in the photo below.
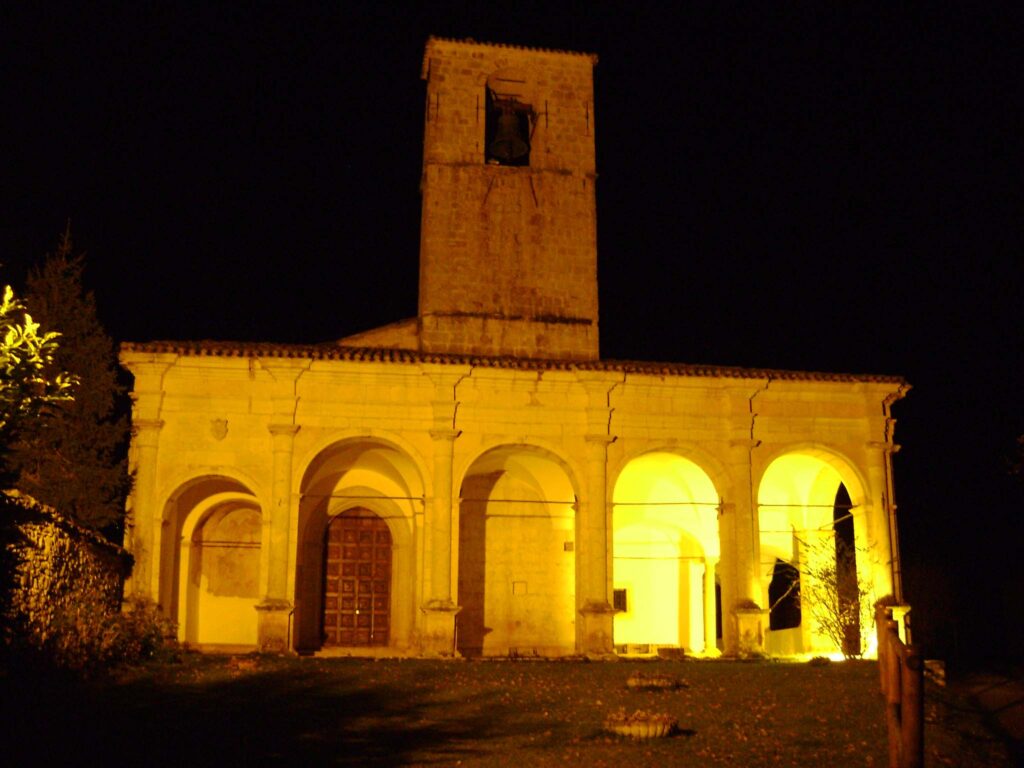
(87, 638)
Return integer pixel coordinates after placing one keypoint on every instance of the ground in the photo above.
(248, 710)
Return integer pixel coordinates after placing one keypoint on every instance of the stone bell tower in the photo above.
(508, 250)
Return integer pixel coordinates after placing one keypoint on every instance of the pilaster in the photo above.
(739, 530)
(274, 610)
(438, 610)
(144, 522)
(710, 639)
(595, 636)
(881, 521)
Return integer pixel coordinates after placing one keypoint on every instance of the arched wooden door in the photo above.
(357, 580)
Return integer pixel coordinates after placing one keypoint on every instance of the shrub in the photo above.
(88, 638)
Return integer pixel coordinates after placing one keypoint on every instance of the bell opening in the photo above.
(507, 131)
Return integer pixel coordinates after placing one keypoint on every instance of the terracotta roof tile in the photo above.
(484, 43)
(332, 351)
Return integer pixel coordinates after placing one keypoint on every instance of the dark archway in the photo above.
(784, 596)
(846, 571)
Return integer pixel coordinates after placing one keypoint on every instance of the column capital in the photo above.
(273, 604)
(600, 439)
(440, 606)
(146, 425)
(596, 608)
(746, 444)
(445, 434)
(283, 430)
(878, 445)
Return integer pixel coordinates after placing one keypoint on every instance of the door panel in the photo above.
(357, 581)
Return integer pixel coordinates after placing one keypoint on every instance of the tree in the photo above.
(76, 460)
(837, 597)
(28, 379)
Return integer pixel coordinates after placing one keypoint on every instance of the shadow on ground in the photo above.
(262, 718)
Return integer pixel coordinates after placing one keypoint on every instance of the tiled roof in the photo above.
(471, 41)
(332, 351)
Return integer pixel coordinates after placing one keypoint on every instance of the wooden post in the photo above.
(901, 671)
(883, 645)
(912, 708)
(891, 689)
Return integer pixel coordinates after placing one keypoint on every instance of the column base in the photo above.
(750, 632)
(273, 620)
(437, 633)
(596, 634)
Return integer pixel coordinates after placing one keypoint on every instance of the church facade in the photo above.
(477, 480)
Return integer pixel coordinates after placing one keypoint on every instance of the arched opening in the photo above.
(359, 498)
(847, 583)
(517, 560)
(666, 549)
(220, 583)
(357, 580)
(784, 597)
(508, 119)
(187, 498)
(210, 563)
(812, 534)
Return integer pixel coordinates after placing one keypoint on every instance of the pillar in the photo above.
(742, 614)
(595, 635)
(439, 610)
(274, 611)
(881, 521)
(145, 519)
(710, 639)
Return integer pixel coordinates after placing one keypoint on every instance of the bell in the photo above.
(508, 142)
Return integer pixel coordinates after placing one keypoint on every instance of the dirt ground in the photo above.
(227, 711)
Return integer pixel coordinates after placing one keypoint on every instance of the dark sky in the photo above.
(790, 188)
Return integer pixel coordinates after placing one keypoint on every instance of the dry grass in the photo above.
(209, 710)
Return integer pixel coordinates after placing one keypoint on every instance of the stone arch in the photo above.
(665, 552)
(516, 553)
(324, 446)
(219, 574)
(716, 470)
(555, 452)
(796, 513)
(367, 473)
(189, 494)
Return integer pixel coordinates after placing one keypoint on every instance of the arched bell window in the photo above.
(509, 128)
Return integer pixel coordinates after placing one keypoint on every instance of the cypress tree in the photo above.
(74, 459)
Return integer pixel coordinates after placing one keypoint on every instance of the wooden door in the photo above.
(357, 580)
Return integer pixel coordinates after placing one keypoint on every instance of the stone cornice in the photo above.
(332, 351)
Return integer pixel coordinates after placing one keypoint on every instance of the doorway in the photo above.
(357, 580)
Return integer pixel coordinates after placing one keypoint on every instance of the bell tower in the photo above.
(508, 239)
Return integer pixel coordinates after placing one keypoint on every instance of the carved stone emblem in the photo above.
(219, 428)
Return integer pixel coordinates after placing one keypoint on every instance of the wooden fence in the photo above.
(901, 667)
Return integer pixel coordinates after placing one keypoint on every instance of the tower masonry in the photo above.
(508, 252)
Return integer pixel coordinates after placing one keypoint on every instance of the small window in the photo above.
(619, 600)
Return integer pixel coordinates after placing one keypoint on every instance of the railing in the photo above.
(901, 668)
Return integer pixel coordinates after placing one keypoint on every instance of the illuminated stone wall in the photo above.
(55, 566)
(559, 473)
(508, 259)
(527, 487)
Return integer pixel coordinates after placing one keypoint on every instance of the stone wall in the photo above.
(508, 255)
(50, 565)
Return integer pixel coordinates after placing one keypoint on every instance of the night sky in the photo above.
(823, 190)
